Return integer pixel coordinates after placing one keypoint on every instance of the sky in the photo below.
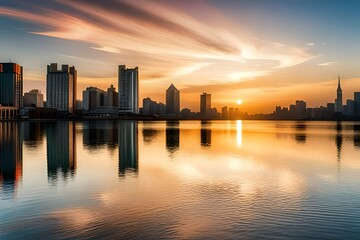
(264, 52)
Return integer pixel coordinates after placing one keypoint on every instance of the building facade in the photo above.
(61, 88)
(33, 98)
(11, 85)
(338, 100)
(128, 84)
(205, 104)
(172, 100)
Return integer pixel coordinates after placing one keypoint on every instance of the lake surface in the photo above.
(180, 180)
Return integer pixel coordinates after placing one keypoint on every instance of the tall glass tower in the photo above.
(128, 84)
(338, 100)
(11, 85)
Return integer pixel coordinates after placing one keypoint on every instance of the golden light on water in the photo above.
(238, 133)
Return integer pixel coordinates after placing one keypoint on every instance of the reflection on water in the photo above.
(11, 157)
(128, 147)
(205, 133)
(172, 136)
(61, 150)
(98, 134)
(131, 180)
(338, 140)
(300, 134)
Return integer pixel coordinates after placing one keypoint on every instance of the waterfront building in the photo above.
(338, 100)
(11, 85)
(128, 83)
(172, 100)
(61, 88)
(205, 104)
(33, 98)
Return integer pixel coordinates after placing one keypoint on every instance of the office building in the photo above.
(338, 100)
(151, 107)
(34, 98)
(128, 84)
(93, 98)
(225, 112)
(172, 100)
(357, 103)
(300, 109)
(61, 88)
(205, 104)
(349, 107)
(112, 97)
(11, 85)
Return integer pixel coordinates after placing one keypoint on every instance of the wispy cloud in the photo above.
(310, 44)
(181, 42)
(327, 63)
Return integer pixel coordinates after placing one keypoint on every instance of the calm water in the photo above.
(183, 180)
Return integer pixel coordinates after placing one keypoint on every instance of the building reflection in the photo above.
(33, 134)
(61, 150)
(338, 140)
(356, 136)
(172, 136)
(98, 134)
(205, 134)
(10, 156)
(128, 147)
(149, 133)
(300, 132)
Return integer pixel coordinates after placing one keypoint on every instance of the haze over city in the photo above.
(264, 53)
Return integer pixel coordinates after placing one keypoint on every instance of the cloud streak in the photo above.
(183, 44)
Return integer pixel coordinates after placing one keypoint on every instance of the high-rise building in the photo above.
(33, 98)
(172, 100)
(93, 98)
(300, 109)
(349, 107)
(151, 107)
(11, 85)
(357, 103)
(338, 100)
(225, 112)
(61, 88)
(111, 97)
(128, 84)
(205, 104)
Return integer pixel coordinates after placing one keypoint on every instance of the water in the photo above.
(180, 180)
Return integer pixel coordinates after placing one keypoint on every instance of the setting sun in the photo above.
(239, 102)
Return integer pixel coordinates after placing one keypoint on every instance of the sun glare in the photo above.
(239, 102)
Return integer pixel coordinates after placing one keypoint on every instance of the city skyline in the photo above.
(294, 46)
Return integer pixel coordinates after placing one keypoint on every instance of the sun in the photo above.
(239, 102)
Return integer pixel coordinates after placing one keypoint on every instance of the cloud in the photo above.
(168, 37)
(310, 44)
(327, 63)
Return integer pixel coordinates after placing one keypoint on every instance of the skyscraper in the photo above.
(172, 100)
(338, 100)
(205, 104)
(128, 84)
(11, 85)
(300, 109)
(61, 88)
(357, 103)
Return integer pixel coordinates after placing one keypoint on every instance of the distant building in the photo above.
(111, 97)
(172, 100)
(11, 85)
(93, 98)
(225, 112)
(331, 107)
(338, 100)
(98, 101)
(349, 107)
(151, 107)
(79, 104)
(205, 104)
(300, 109)
(34, 98)
(61, 88)
(128, 83)
(357, 103)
